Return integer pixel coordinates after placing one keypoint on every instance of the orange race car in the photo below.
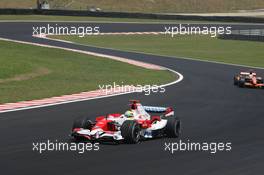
(248, 79)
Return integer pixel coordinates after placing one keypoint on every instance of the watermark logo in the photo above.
(80, 31)
(49, 146)
(122, 88)
(186, 29)
(212, 147)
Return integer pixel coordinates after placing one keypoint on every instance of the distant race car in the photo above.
(248, 79)
(135, 125)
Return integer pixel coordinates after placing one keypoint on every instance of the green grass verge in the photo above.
(193, 46)
(31, 72)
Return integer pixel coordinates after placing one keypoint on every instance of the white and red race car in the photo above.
(130, 129)
(248, 79)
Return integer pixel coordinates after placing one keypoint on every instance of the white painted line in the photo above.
(133, 62)
(106, 56)
(55, 39)
(180, 78)
(167, 56)
(92, 98)
(217, 62)
(198, 60)
(96, 34)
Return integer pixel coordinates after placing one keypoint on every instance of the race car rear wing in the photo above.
(247, 73)
(156, 109)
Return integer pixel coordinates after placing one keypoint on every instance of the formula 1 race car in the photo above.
(248, 79)
(136, 124)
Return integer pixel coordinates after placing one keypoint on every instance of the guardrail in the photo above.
(251, 35)
(131, 15)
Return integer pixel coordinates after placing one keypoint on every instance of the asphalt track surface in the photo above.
(210, 107)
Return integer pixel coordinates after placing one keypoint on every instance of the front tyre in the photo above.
(84, 123)
(173, 127)
(241, 83)
(130, 131)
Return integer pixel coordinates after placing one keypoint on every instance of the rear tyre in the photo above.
(260, 81)
(173, 127)
(130, 131)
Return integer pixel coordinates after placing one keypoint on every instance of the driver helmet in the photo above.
(129, 114)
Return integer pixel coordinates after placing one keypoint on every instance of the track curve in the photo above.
(211, 108)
